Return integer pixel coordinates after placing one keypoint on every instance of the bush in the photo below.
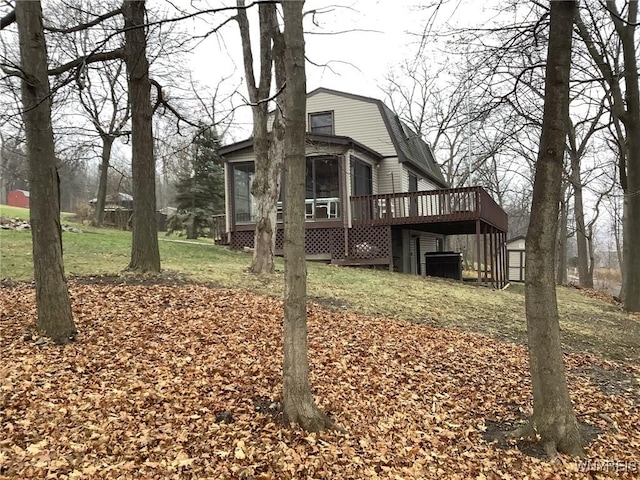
(82, 214)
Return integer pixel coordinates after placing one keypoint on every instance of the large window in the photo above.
(321, 123)
(361, 179)
(322, 199)
(322, 188)
(244, 208)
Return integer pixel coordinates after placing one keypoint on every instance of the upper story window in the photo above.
(321, 123)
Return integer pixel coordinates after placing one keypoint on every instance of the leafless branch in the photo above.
(87, 59)
(84, 26)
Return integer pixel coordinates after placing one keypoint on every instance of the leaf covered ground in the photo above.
(147, 389)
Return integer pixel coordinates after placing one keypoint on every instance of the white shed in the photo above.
(515, 259)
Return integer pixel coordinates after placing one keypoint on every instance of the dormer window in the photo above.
(321, 123)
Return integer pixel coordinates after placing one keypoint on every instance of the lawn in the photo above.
(588, 324)
(424, 374)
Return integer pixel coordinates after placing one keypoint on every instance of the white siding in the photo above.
(424, 184)
(245, 155)
(428, 243)
(390, 176)
(516, 260)
(516, 244)
(358, 119)
(516, 266)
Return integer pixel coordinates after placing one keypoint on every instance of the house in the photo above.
(118, 209)
(375, 194)
(516, 259)
(18, 198)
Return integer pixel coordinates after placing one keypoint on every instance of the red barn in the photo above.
(18, 198)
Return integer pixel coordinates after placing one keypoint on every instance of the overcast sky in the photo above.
(353, 42)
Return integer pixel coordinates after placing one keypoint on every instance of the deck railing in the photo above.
(452, 204)
(219, 229)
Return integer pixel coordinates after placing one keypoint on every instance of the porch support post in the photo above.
(504, 259)
(499, 252)
(478, 232)
(492, 255)
(484, 251)
(390, 248)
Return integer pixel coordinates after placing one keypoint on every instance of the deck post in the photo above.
(505, 259)
(493, 257)
(478, 232)
(484, 248)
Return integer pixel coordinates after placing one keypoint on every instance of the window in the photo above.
(361, 179)
(413, 183)
(321, 123)
(243, 201)
(322, 197)
(322, 188)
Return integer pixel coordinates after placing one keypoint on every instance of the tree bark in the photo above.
(553, 417)
(145, 254)
(299, 406)
(101, 195)
(55, 318)
(581, 230)
(268, 163)
(631, 228)
(561, 271)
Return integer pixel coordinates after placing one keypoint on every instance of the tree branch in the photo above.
(87, 59)
(84, 26)
(8, 19)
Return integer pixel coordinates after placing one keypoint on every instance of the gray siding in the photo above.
(390, 176)
(424, 184)
(360, 120)
(428, 243)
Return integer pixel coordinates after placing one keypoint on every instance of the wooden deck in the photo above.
(465, 204)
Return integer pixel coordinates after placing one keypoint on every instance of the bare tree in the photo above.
(145, 254)
(553, 417)
(109, 112)
(622, 83)
(298, 403)
(55, 318)
(576, 149)
(267, 146)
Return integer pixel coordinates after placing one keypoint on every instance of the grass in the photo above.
(588, 324)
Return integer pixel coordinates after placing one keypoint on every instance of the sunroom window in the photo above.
(243, 202)
(322, 188)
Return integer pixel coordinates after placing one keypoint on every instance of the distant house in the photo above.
(516, 259)
(119, 201)
(18, 198)
(118, 209)
(374, 193)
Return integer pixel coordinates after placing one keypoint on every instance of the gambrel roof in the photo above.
(409, 145)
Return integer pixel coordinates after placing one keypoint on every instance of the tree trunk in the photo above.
(299, 406)
(581, 231)
(52, 297)
(553, 417)
(620, 250)
(101, 196)
(561, 271)
(631, 226)
(145, 254)
(627, 111)
(268, 168)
